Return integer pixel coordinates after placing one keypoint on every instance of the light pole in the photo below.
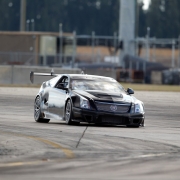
(27, 25)
(60, 42)
(154, 50)
(74, 49)
(173, 54)
(23, 15)
(147, 45)
(93, 44)
(179, 52)
(115, 44)
(32, 25)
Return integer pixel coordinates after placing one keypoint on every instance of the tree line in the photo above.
(85, 16)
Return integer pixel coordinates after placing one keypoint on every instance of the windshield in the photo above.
(82, 84)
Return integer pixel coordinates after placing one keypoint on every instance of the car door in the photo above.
(57, 98)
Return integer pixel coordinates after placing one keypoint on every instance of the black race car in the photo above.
(77, 98)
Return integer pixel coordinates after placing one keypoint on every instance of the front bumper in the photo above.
(85, 115)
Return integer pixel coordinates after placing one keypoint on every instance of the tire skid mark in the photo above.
(29, 163)
(144, 140)
(66, 151)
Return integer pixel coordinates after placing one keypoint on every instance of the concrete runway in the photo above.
(30, 150)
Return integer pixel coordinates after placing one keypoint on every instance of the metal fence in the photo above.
(17, 58)
(100, 49)
(29, 59)
(164, 51)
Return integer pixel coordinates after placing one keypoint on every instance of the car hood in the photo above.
(98, 95)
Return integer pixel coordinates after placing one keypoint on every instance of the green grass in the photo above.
(152, 87)
(21, 85)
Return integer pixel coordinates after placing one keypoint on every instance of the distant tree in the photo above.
(163, 17)
(141, 20)
(84, 16)
(9, 15)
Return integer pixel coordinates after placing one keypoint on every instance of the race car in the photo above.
(77, 98)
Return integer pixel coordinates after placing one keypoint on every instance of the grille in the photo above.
(115, 120)
(112, 107)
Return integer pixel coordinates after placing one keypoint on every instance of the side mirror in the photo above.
(65, 88)
(130, 91)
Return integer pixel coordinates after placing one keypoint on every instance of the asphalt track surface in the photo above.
(30, 150)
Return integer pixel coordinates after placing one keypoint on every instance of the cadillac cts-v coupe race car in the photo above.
(77, 98)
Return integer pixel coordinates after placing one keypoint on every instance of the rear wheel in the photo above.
(37, 111)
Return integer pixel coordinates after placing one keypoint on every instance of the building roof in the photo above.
(33, 33)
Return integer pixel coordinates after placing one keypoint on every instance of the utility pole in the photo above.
(23, 15)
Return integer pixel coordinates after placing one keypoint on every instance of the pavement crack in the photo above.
(81, 137)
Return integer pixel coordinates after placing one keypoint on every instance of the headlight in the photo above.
(137, 108)
(84, 103)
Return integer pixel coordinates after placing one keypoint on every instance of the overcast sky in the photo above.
(146, 4)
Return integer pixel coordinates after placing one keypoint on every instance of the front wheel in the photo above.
(68, 114)
(37, 111)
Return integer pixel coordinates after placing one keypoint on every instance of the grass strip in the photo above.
(152, 87)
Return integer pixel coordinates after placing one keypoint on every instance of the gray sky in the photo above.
(146, 4)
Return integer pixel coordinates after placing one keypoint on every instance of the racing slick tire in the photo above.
(37, 111)
(68, 114)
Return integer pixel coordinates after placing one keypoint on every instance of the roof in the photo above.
(87, 76)
(33, 33)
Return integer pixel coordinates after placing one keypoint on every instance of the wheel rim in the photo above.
(68, 111)
(37, 108)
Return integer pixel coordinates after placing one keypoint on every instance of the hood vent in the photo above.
(106, 96)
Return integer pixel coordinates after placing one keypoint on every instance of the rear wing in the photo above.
(32, 74)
